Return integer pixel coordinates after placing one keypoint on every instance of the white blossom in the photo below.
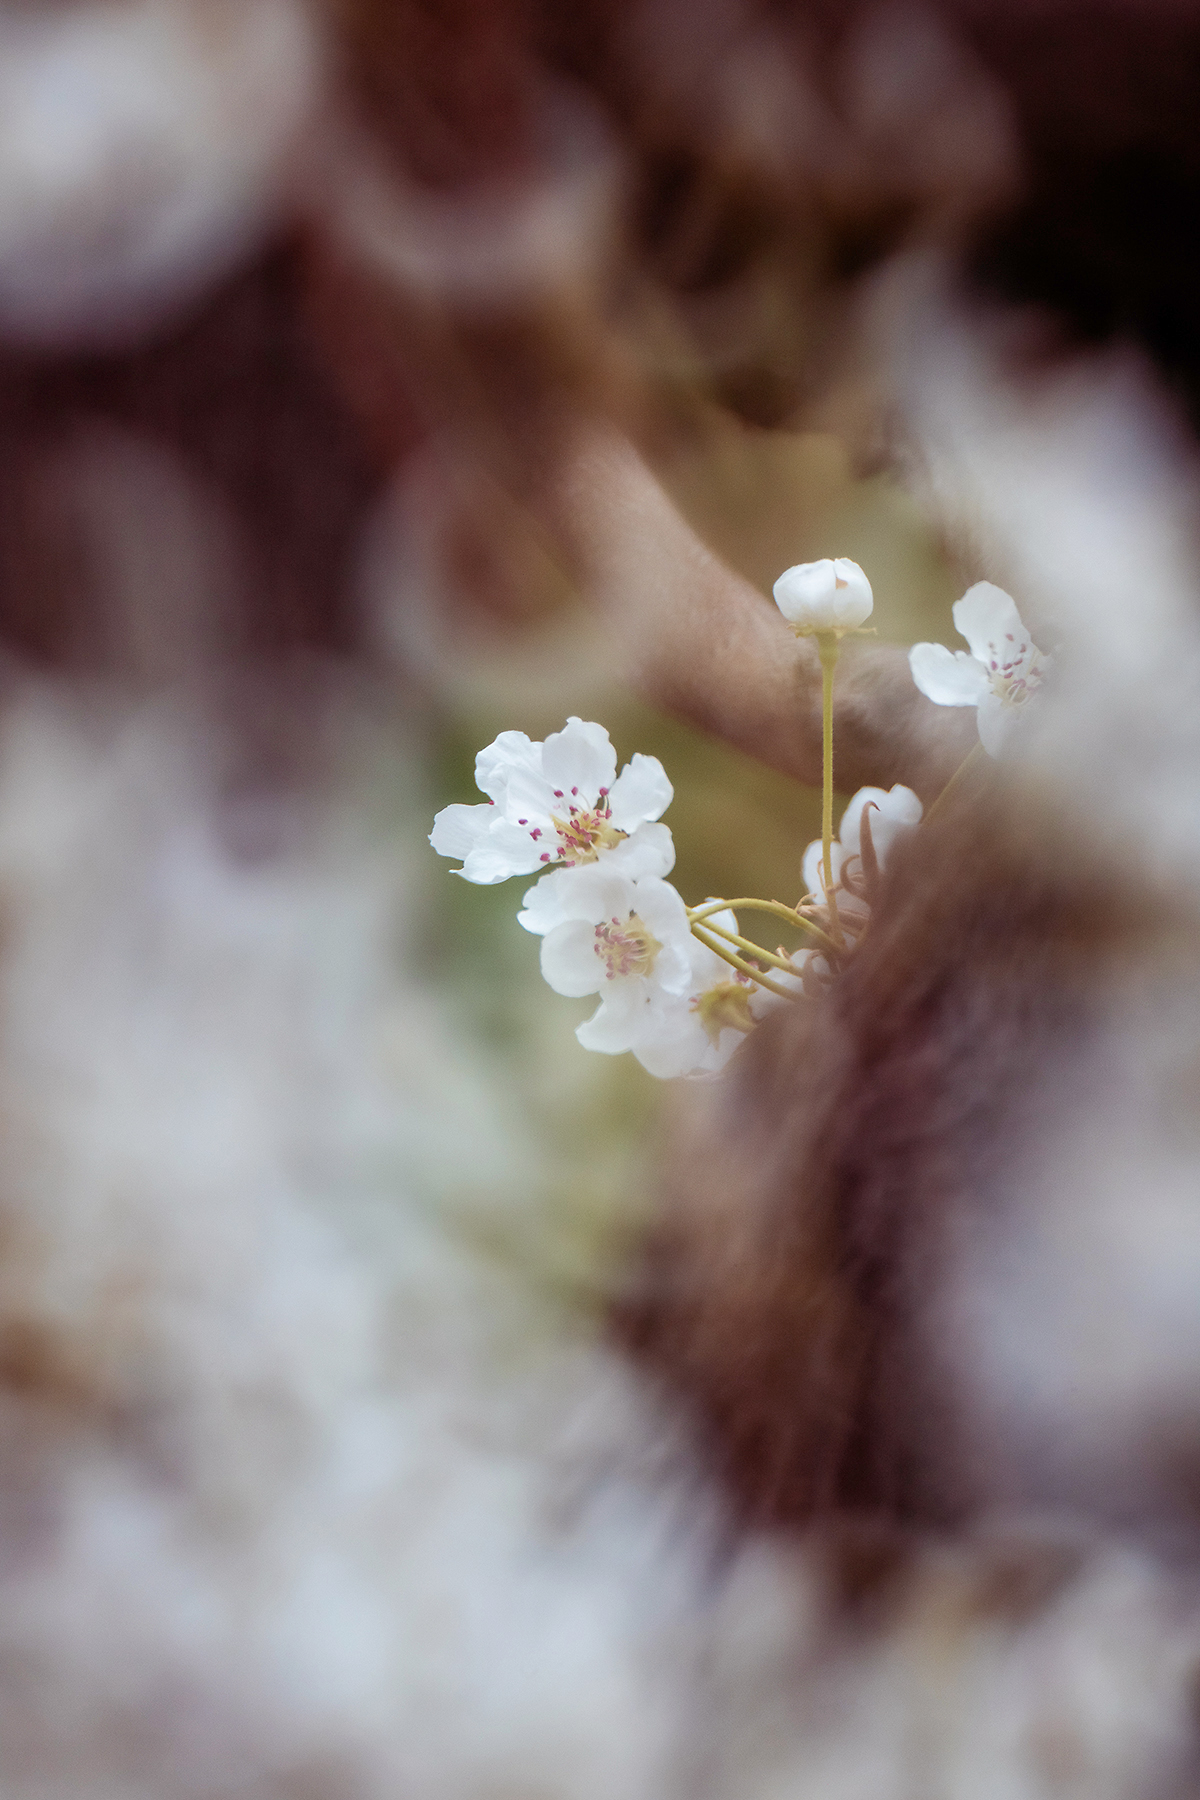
(688, 1018)
(697, 1033)
(830, 595)
(560, 801)
(628, 941)
(892, 813)
(1001, 674)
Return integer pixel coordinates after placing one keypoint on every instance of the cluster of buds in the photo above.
(678, 986)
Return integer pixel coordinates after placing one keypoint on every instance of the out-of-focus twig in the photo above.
(702, 643)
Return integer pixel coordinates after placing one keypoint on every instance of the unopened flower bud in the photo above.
(830, 595)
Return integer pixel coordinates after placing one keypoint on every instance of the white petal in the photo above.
(569, 961)
(457, 829)
(503, 851)
(804, 593)
(676, 1043)
(591, 891)
(950, 677)
(720, 1052)
(813, 869)
(707, 967)
(581, 757)
(495, 765)
(889, 824)
(650, 850)
(726, 919)
(853, 597)
(640, 792)
(849, 831)
(527, 795)
(597, 891)
(619, 1020)
(672, 972)
(763, 1000)
(893, 812)
(988, 618)
(902, 806)
(661, 907)
(824, 596)
(545, 904)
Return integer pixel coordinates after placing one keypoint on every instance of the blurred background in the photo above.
(297, 300)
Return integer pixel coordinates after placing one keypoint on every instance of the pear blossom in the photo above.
(559, 802)
(696, 1033)
(892, 813)
(830, 595)
(1001, 674)
(691, 1032)
(628, 941)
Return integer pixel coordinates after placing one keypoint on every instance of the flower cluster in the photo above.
(610, 924)
(680, 986)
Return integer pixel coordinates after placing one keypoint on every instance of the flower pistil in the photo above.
(625, 949)
(585, 831)
(725, 1006)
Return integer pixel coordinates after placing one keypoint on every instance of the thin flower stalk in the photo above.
(736, 962)
(827, 647)
(611, 924)
(749, 948)
(700, 915)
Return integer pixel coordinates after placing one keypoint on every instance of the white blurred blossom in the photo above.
(1001, 674)
(146, 146)
(560, 801)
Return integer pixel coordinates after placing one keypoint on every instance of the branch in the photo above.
(702, 643)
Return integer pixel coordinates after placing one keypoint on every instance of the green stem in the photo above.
(735, 962)
(775, 907)
(827, 648)
(749, 948)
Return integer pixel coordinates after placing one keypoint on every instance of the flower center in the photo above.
(723, 1006)
(583, 833)
(1016, 669)
(625, 949)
